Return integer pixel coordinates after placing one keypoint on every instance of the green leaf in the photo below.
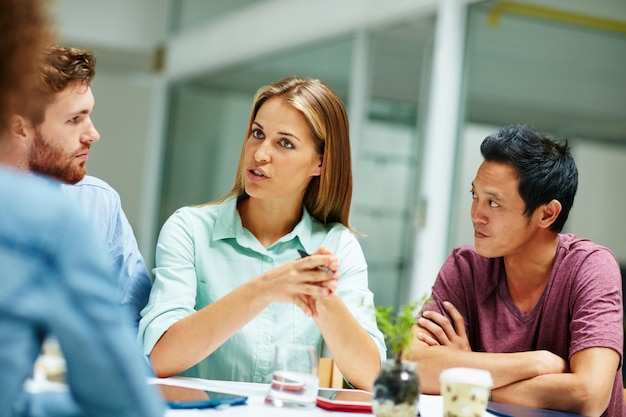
(397, 325)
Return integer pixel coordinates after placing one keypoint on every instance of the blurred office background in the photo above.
(424, 82)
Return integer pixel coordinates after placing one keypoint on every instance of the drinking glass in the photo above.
(294, 380)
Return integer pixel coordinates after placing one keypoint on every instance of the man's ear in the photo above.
(21, 127)
(549, 213)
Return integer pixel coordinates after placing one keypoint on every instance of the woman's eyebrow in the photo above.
(280, 133)
(289, 134)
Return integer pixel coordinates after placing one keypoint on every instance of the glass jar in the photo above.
(396, 390)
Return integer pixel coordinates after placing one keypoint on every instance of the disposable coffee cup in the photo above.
(465, 391)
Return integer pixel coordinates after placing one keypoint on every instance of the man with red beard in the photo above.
(53, 135)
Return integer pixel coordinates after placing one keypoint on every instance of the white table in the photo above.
(429, 405)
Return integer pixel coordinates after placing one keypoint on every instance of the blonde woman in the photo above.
(229, 282)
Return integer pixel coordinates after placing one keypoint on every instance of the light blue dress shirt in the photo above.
(103, 207)
(203, 253)
(55, 282)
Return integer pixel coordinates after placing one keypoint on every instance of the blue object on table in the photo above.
(508, 410)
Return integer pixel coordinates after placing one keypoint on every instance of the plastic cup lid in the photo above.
(467, 376)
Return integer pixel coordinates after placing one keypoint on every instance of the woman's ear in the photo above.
(317, 170)
(550, 212)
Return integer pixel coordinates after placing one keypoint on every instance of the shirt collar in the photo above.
(228, 226)
(228, 221)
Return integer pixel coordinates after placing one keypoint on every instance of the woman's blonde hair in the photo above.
(328, 196)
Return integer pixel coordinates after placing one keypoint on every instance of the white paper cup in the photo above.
(465, 391)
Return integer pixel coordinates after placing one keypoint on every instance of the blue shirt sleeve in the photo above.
(103, 206)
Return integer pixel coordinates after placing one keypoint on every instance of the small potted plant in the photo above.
(396, 389)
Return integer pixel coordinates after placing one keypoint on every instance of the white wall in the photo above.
(599, 207)
(301, 23)
(129, 25)
(462, 231)
(125, 154)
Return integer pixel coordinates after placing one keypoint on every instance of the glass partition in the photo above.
(387, 157)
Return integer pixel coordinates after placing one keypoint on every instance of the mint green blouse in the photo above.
(203, 253)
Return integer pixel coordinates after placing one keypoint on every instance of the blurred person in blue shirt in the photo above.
(54, 278)
(55, 282)
(54, 138)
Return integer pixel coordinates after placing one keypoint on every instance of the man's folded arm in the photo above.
(585, 390)
(505, 368)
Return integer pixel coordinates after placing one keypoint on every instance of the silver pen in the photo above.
(324, 268)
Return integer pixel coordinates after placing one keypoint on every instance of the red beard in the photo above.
(50, 160)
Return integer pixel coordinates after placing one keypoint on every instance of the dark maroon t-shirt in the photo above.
(580, 308)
